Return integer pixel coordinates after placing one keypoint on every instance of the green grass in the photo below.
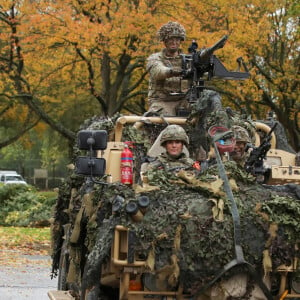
(20, 235)
(48, 194)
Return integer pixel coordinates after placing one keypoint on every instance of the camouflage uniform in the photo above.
(165, 75)
(166, 161)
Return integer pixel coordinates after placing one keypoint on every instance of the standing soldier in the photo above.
(165, 68)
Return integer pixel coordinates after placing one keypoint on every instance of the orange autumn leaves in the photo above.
(78, 58)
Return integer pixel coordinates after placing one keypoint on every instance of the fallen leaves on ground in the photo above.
(21, 246)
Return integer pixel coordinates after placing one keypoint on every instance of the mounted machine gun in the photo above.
(197, 64)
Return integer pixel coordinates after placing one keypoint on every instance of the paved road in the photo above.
(25, 276)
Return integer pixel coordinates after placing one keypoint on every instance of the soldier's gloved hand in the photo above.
(176, 72)
(187, 74)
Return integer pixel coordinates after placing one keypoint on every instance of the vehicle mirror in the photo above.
(92, 139)
(90, 166)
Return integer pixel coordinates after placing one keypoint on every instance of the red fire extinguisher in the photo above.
(126, 166)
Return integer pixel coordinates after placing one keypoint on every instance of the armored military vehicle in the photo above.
(172, 235)
(121, 231)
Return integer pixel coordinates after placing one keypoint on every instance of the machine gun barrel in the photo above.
(207, 52)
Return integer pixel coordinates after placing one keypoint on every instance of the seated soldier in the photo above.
(173, 139)
(239, 155)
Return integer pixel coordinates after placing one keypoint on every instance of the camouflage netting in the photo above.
(62, 215)
(207, 111)
(188, 223)
(185, 219)
(72, 191)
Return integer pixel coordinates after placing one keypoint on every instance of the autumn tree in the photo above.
(63, 61)
(18, 97)
(266, 35)
(54, 54)
(277, 69)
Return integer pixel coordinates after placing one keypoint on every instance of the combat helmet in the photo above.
(171, 29)
(174, 133)
(240, 134)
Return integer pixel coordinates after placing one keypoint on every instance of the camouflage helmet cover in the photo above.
(240, 134)
(174, 133)
(171, 29)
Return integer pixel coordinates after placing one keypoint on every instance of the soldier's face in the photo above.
(174, 148)
(239, 150)
(172, 44)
